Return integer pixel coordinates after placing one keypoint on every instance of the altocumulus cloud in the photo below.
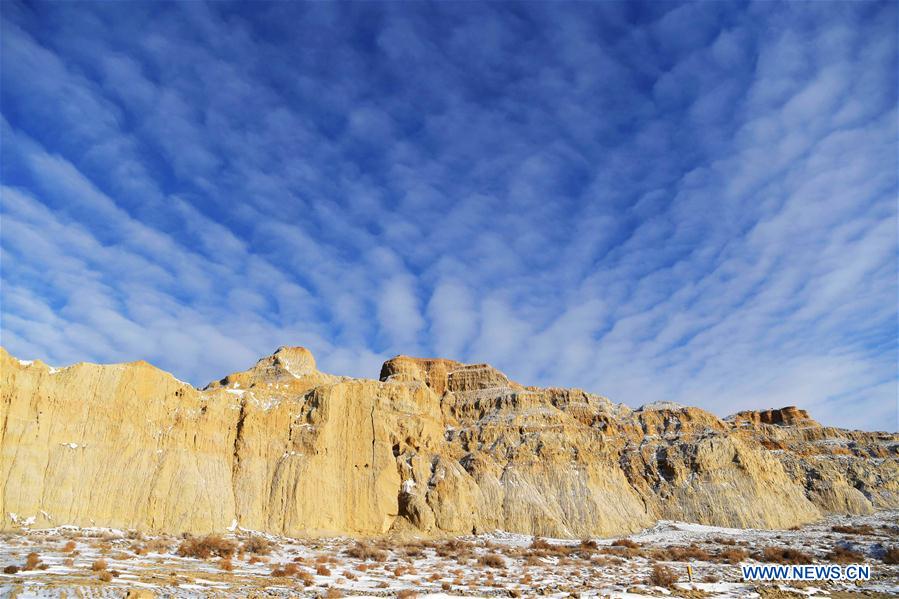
(687, 202)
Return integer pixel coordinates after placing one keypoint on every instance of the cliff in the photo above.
(434, 447)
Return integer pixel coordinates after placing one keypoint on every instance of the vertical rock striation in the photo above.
(434, 447)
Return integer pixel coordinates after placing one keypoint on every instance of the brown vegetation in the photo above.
(99, 565)
(206, 547)
(662, 576)
(844, 555)
(863, 529)
(733, 555)
(784, 555)
(366, 552)
(492, 560)
(257, 545)
(32, 560)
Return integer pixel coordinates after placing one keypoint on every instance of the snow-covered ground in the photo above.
(489, 565)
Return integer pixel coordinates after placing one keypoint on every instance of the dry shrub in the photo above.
(445, 586)
(306, 578)
(99, 565)
(225, 564)
(724, 541)
(785, 555)
(322, 570)
(864, 529)
(364, 551)
(406, 594)
(711, 578)
(68, 562)
(333, 593)
(291, 569)
(891, 555)
(662, 576)
(348, 574)
(539, 543)
(683, 554)
(625, 543)
(105, 576)
(135, 535)
(844, 555)
(257, 545)
(31, 561)
(453, 548)
(533, 560)
(733, 555)
(589, 544)
(206, 547)
(158, 545)
(278, 572)
(11, 569)
(69, 547)
(492, 560)
(434, 577)
(253, 560)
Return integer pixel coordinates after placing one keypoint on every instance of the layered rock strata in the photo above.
(435, 447)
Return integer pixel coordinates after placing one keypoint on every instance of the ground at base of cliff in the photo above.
(75, 562)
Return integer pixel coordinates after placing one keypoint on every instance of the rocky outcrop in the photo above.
(434, 447)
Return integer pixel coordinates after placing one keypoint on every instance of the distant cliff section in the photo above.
(434, 447)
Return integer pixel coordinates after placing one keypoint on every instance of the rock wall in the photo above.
(435, 447)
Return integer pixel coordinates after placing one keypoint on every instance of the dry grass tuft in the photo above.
(99, 565)
(105, 576)
(366, 552)
(891, 555)
(206, 547)
(32, 561)
(406, 594)
(225, 564)
(333, 593)
(539, 543)
(864, 529)
(784, 555)
(11, 569)
(662, 576)
(683, 554)
(625, 543)
(257, 545)
(844, 555)
(158, 545)
(733, 555)
(322, 570)
(492, 560)
(69, 547)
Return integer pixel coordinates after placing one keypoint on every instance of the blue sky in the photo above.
(683, 202)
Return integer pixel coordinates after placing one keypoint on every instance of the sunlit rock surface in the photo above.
(435, 447)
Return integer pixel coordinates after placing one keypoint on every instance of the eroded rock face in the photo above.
(435, 447)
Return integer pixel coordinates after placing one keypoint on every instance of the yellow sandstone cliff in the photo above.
(434, 447)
